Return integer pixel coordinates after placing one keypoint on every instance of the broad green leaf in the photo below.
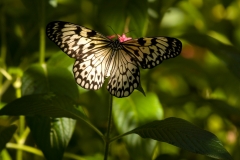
(50, 105)
(51, 134)
(44, 79)
(55, 92)
(6, 134)
(183, 134)
(132, 112)
(228, 54)
(60, 60)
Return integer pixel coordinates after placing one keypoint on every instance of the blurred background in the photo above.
(202, 85)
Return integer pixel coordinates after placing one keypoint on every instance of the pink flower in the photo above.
(121, 38)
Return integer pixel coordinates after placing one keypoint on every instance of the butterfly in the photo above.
(99, 57)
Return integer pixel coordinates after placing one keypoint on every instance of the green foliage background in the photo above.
(202, 85)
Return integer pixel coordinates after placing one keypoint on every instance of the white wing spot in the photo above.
(83, 82)
(79, 80)
(118, 94)
(131, 89)
(135, 85)
(75, 69)
(76, 74)
(126, 93)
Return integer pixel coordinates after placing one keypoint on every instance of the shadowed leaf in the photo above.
(183, 134)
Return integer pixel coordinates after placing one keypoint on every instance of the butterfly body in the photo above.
(98, 57)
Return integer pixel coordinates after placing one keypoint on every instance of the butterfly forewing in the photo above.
(150, 52)
(74, 39)
(98, 57)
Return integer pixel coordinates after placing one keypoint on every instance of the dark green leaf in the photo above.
(52, 92)
(183, 134)
(51, 134)
(43, 105)
(44, 79)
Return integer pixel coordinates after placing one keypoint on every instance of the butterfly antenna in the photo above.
(113, 31)
(129, 31)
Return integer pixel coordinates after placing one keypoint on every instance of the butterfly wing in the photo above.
(125, 75)
(97, 57)
(150, 52)
(87, 46)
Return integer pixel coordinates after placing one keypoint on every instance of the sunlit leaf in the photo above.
(132, 112)
(60, 60)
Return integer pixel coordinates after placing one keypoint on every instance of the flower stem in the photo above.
(107, 138)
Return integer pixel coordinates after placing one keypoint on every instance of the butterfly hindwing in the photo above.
(150, 52)
(125, 77)
(90, 69)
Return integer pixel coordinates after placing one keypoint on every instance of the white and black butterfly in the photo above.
(98, 57)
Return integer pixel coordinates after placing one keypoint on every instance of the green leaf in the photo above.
(133, 111)
(44, 79)
(6, 134)
(183, 134)
(228, 54)
(53, 92)
(50, 105)
(59, 59)
(51, 134)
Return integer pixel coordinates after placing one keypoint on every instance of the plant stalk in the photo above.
(107, 138)
(42, 34)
